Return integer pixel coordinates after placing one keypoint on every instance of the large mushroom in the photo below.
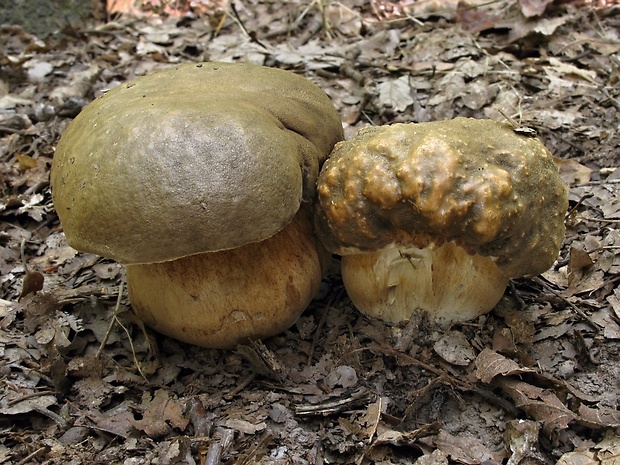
(200, 179)
(439, 216)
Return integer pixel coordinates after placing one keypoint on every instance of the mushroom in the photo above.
(439, 216)
(200, 178)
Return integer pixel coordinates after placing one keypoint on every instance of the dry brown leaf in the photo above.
(454, 348)
(343, 375)
(614, 301)
(490, 364)
(599, 417)
(579, 457)
(403, 438)
(605, 319)
(531, 8)
(244, 426)
(606, 452)
(33, 282)
(14, 406)
(521, 327)
(474, 19)
(464, 449)
(572, 172)
(521, 438)
(539, 404)
(346, 20)
(118, 420)
(161, 415)
(370, 421)
(396, 93)
(577, 261)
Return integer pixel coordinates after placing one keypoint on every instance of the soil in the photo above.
(535, 381)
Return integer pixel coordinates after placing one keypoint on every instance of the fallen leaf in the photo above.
(404, 438)
(490, 364)
(346, 20)
(606, 452)
(118, 421)
(161, 415)
(15, 406)
(572, 172)
(396, 93)
(33, 282)
(343, 375)
(474, 19)
(540, 404)
(521, 438)
(244, 426)
(454, 348)
(599, 417)
(467, 450)
(531, 8)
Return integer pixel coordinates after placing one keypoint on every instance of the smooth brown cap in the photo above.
(475, 182)
(195, 158)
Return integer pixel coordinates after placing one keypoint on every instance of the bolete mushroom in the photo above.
(200, 179)
(439, 216)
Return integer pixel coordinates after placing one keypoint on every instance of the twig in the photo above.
(112, 320)
(599, 220)
(598, 183)
(319, 328)
(411, 330)
(612, 100)
(216, 450)
(570, 213)
(30, 395)
(332, 406)
(515, 294)
(22, 251)
(29, 457)
(577, 310)
(133, 350)
(251, 35)
(241, 386)
(267, 437)
(60, 421)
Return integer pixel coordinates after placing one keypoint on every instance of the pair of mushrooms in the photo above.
(212, 183)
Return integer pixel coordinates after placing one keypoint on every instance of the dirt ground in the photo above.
(536, 381)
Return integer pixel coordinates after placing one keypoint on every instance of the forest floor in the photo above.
(536, 381)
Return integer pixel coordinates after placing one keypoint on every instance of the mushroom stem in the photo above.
(217, 299)
(394, 283)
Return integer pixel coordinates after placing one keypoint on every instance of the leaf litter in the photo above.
(535, 381)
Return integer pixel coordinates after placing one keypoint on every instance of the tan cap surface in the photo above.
(475, 182)
(195, 158)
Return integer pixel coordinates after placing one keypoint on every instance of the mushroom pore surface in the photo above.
(195, 158)
(476, 183)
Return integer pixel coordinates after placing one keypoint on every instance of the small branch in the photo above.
(112, 321)
(29, 458)
(574, 307)
(226, 437)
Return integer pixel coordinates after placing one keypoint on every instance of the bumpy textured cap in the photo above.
(476, 182)
(195, 158)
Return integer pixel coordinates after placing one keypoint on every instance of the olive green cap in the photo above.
(195, 158)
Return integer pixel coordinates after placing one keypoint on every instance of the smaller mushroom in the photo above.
(439, 216)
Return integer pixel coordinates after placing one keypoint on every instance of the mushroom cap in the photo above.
(195, 158)
(492, 191)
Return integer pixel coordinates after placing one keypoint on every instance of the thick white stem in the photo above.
(218, 299)
(445, 281)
